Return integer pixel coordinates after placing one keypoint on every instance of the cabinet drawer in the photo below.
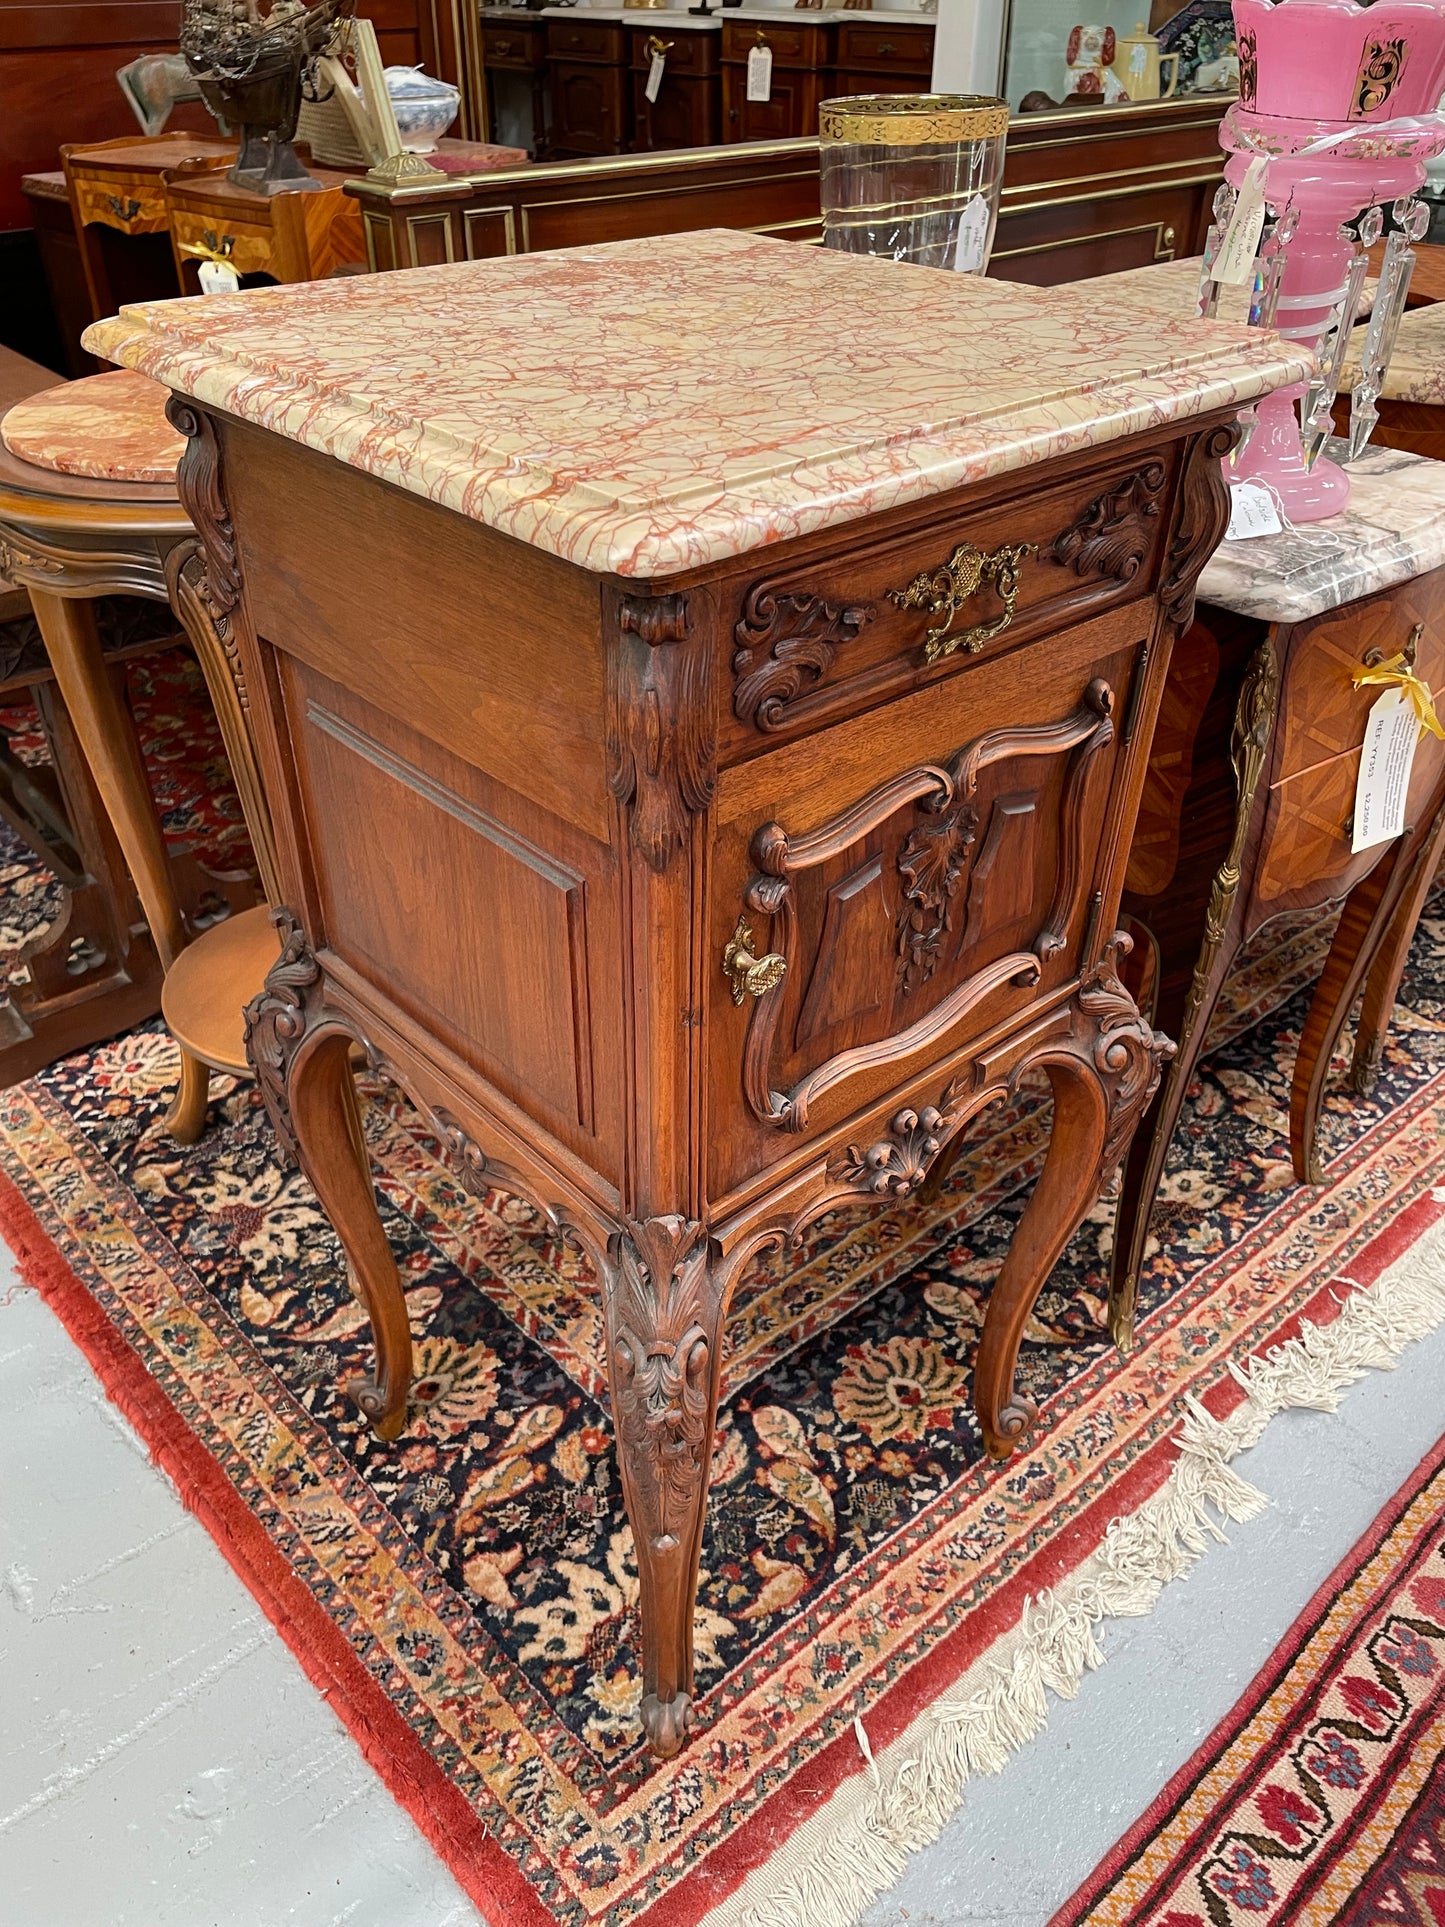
(687, 53)
(514, 47)
(926, 871)
(792, 46)
(588, 107)
(823, 638)
(584, 41)
(881, 49)
(1305, 858)
(1321, 713)
(897, 82)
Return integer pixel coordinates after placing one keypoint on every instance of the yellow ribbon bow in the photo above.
(1397, 673)
(221, 256)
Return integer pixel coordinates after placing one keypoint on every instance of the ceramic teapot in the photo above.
(1137, 62)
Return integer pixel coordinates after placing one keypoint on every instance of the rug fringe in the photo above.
(840, 1860)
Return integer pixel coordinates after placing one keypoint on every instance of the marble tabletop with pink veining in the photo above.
(643, 408)
(112, 427)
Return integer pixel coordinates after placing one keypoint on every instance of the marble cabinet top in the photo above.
(109, 427)
(1392, 531)
(1416, 370)
(647, 407)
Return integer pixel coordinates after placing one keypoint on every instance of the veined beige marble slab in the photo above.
(1172, 287)
(1392, 531)
(648, 407)
(1416, 370)
(112, 427)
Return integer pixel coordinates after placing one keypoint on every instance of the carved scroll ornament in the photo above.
(786, 644)
(1116, 531)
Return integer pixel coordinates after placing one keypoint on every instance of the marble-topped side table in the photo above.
(1247, 811)
(88, 508)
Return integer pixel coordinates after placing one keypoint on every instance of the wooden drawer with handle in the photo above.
(514, 47)
(687, 53)
(883, 49)
(584, 41)
(792, 46)
(824, 638)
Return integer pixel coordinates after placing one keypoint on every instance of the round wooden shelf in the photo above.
(209, 985)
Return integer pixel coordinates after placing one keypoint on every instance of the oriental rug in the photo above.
(881, 1608)
(1320, 1799)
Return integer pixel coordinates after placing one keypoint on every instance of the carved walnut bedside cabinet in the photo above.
(707, 783)
(1248, 808)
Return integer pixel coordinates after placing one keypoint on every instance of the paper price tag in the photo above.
(972, 236)
(654, 77)
(1234, 263)
(218, 277)
(1391, 733)
(760, 73)
(1251, 512)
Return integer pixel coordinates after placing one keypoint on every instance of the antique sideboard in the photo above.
(1084, 193)
(708, 783)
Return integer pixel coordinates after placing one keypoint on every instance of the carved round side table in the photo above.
(88, 507)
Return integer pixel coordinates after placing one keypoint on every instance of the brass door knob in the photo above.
(749, 975)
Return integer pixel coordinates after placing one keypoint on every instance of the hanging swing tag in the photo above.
(218, 277)
(654, 76)
(760, 72)
(1251, 512)
(972, 236)
(1234, 263)
(1392, 730)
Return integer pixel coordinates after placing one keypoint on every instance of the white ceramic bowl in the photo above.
(425, 107)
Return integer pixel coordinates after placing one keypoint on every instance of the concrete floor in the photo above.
(164, 1763)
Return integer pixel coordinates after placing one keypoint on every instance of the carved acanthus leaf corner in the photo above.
(1203, 516)
(661, 749)
(278, 1019)
(1114, 534)
(203, 497)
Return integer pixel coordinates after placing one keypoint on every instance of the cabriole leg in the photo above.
(301, 1056)
(1102, 1082)
(665, 1299)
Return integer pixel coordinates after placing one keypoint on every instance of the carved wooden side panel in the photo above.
(901, 914)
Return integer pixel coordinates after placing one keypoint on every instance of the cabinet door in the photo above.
(791, 112)
(928, 874)
(588, 114)
(685, 113)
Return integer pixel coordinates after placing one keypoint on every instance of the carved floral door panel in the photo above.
(860, 926)
(823, 639)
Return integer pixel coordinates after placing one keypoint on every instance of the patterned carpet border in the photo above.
(1320, 1796)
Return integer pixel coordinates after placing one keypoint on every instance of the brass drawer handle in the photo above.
(125, 210)
(943, 592)
(658, 49)
(887, 48)
(750, 976)
(500, 47)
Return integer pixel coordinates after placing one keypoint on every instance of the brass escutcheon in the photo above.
(750, 976)
(943, 592)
